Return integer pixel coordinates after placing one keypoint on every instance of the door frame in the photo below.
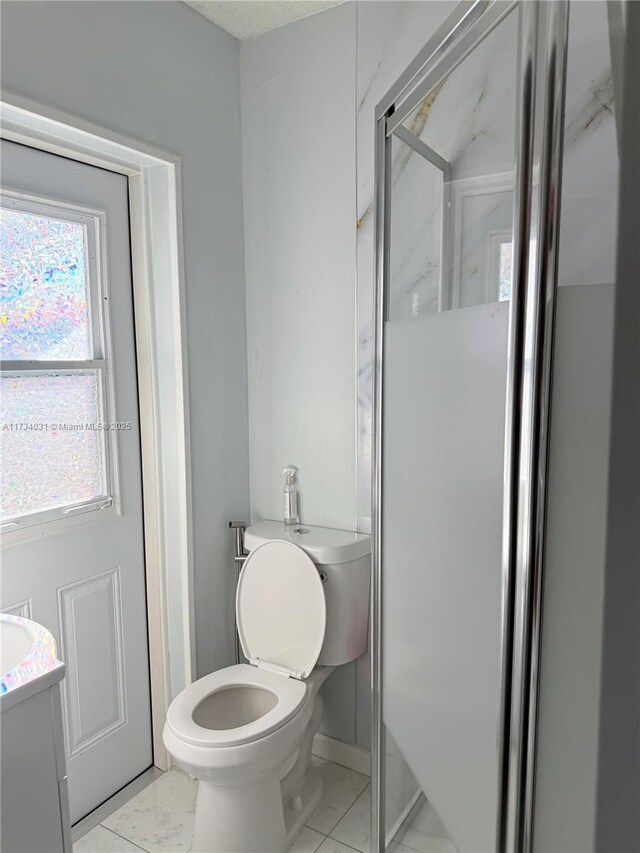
(155, 209)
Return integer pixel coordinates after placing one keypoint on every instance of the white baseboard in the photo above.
(349, 755)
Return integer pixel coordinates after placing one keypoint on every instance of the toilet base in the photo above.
(243, 819)
(253, 818)
(309, 798)
(262, 817)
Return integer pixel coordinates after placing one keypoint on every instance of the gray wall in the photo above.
(567, 748)
(576, 535)
(160, 73)
(618, 795)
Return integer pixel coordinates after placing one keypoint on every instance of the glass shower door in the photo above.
(465, 190)
(450, 242)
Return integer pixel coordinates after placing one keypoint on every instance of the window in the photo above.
(505, 270)
(499, 267)
(478, 236)
(54, 456)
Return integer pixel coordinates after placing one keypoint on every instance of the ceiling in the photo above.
(247, 18)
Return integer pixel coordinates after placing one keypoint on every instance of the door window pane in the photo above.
(44, 299)
(51, 441)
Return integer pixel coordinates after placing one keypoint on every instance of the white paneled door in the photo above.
(70, 470)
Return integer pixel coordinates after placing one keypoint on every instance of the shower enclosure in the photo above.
(470, 145)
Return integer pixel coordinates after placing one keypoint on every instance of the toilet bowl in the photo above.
(248, 799)
(246, 732)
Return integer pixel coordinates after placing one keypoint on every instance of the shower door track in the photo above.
(540, 119)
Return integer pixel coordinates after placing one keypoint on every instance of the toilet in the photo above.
(246, 732)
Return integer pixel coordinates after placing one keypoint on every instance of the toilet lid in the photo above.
(280, 608)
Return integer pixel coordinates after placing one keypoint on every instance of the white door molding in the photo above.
(160, 324)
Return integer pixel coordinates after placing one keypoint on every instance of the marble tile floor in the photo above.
(159, 819)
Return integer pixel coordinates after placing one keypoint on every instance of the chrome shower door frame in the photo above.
(538, 171)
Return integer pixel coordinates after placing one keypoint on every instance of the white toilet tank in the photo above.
(344, 563)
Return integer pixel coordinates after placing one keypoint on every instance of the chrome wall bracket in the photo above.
(240, 556)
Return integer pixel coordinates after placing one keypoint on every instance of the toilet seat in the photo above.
(280, 609)
(281, 615)
(289, 693)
